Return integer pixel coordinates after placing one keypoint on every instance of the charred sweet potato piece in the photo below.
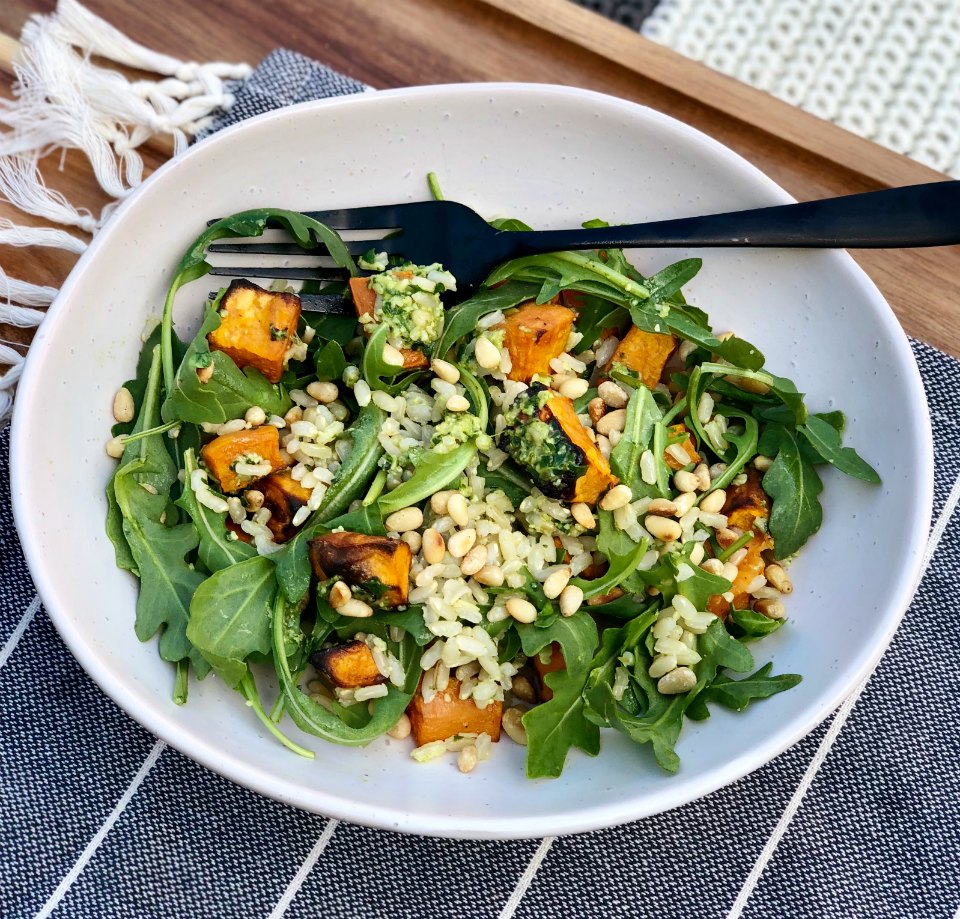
(283, 496)
(534, 335)
(349, 665)
(364, 302)
(675, 431)
(556, 663)
(256, 327)
(752, 565)
(447, 714)
(645, 353)
(376, 565)
(256, 447)
(746, 503)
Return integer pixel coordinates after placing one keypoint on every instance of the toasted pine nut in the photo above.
(339, 594)
(474, 561)
(685, 481)
(205, 374)
(123, 408)
(730, 571)
(570, 600)
(727, 537)
(596, 409)
(713, 566)
(458, 403)
(662, 664)
(413, 539)
(604, 446)
(467, 759)
(618, 496)
(762, 463)
(254, 499)
(401, 730)
(683, 679)
(772, 609)
(713, 503)
(612, 421)
(410, 518)
(522, 688)
(457, 508)
(255, 416)
(445, 370)
(323, 392)
(489, 576)
(512, 721)
(294, 414)
(573, 388)
(461, 542)
(487, 354)
(392, 356)
(749, 385)
(702, 472)
(521, 610)
(684, 502)
(778, 578)
(554, 585)
(662, 507)
(355, 609)
(583, 515)
(438, 502)
(662, 528)
(433, 548)
(612, 394)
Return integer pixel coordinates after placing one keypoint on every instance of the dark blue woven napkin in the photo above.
(99, 819)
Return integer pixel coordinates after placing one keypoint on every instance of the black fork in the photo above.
(465, 244)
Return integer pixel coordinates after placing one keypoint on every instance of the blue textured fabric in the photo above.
(876, 835)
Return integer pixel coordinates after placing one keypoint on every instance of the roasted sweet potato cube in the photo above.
(348, 665)
(447, 715)
(645, 353)
(377, 566)
(283, 496)
(534, 335)
(752, 565)
(747, 503)
(233, 458)
(555, 663)
(256, 328)
(364, 302)
(675, 431)
(597, 477)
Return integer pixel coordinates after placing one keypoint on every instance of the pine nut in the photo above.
(410, 518)
(339, 594)
(727, 537)
(254, 499)
(467, 759)
(255, 416)
(713, 566)
(702, 472)
(612, 394)
(662, 507)
(683, 679)
(686, 349)
(521, 610)
(662, 665)
(730, 571)
(401, 730)
(445, 370)
(772, 609)
(762, 463)
(717, 470)
(713, 503)
(738, 556)
(522, 688)
(361, 392)
(697, 553)
(205, 374)
(414, 540)
(685, 481)
(662, 528)
(458, 403)
(355, 609)
(489, 576)
(554, 585)
(596, 409)
(296, 414)
(487, 354)
(749, 385)
(474, 561)
(571, 599)
(392, 356)
(583, 515)
(618, 496)
(604, 446)
(612, 421)
(323, 392)
(684, 503)
(461, 542)
(457, 508)
(512, 721)
(123, 408)
(438, 502)
(115, 447)
(778, 578)
(573, 388)
(433, 548)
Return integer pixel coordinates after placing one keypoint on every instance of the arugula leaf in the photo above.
(738, 694)
(595, 315)
(508, 479)
(215, 550)
(621, 567)
(785, 390)
(230, 616)
(793, 484)
(462, 319)
(667, 282)
(339, 329)
(228, 392)
(643, 414)
(751, 624)
(374, 368)
(825, 439)
(330, 362)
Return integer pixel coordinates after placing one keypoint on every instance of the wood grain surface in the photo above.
(414, 42)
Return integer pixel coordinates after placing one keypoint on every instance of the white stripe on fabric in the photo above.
(526, 879)
(843, 713)
(293, 888)
(14, 639)
(101, 834)
(956, 915)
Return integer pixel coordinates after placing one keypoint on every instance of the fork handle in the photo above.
(915, 215)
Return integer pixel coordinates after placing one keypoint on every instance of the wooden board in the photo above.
(412, 42)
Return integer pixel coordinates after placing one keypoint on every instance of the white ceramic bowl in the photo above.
(552, 156)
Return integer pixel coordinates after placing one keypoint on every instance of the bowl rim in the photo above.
(380, 814)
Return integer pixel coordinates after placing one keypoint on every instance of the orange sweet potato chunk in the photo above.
(534, 335)
(364, 302)
(283, 496)
(598, 477)
(746, 503)
(556, 663)
(675, 431)
(645, 353)
(258, 445)
(349, 665)
(447, 714)
(376, 564)
(752, 565)
(256, 327)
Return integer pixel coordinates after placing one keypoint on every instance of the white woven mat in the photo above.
(888, 70)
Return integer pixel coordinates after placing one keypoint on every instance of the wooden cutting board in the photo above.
(412, 42)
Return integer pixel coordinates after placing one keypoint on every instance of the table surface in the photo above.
(412, 42)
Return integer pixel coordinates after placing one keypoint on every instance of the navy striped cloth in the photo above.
(99, 819)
